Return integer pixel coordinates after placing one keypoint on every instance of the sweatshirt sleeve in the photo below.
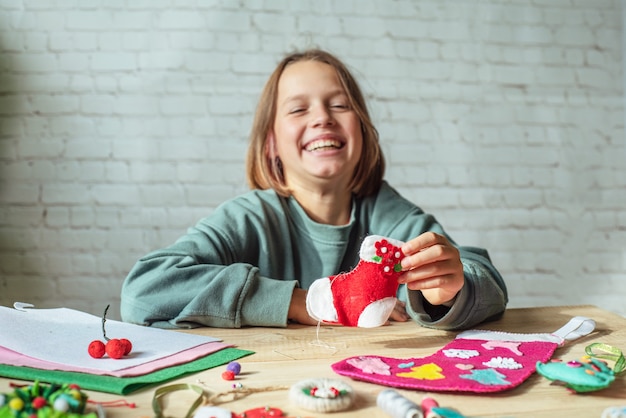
(168, 289)
(209, 277)
(483, 296)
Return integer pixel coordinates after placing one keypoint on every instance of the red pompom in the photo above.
(228, 375)
(39, 402)
(115, 348)
(128, 346)
(96, 349)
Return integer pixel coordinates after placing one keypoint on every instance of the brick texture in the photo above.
(122, 124)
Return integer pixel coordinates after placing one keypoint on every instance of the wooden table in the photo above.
(284, 357)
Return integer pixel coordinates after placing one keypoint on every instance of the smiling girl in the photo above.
(316, 170)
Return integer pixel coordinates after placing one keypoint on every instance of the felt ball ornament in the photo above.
(115, 348)
(128, 346)
(228, 375)
(96, 349)
(39, 402)
(16, 404)
(234, 367)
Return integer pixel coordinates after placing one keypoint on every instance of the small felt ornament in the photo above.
(115, 348)
(587, 374)
(475, 361)
(322, 395)
(42, 400)
(217, 412)
(365, 296)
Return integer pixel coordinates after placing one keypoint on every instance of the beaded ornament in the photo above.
(45, 401)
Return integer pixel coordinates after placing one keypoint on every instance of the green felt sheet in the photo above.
(123, 385)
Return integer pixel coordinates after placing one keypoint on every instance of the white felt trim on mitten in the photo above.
(368, 249)
(319, 301)
(377, 313)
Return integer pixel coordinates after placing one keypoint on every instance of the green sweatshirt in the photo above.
(238, 267)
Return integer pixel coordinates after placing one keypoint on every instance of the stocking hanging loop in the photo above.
(577, 327)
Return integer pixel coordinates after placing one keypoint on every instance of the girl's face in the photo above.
(316, 133)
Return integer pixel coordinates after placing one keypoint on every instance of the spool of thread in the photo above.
(427, 405)
(614, 412)
(397, 406)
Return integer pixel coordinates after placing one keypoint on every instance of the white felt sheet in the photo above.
(62, 335)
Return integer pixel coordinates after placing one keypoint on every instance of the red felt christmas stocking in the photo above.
(365, 296)
(475, 361)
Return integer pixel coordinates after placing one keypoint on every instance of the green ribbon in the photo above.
(609, 353)
(160, 392)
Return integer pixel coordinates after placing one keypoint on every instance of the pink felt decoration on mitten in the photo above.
(365, 296)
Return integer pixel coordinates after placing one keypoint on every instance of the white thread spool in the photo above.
(397, 405)
(614, 412)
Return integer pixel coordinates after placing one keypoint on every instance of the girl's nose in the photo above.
(322, 116)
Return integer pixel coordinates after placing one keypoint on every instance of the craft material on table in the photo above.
(269, 367)
(67, 333)
(397, 406)
(322, 395)
(156, 356)
(41, 400)
(125, 385)
(13, 358)
(475, 361)
(587, 374)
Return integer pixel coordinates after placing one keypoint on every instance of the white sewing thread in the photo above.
(320, 343)
(614, 412)
(397, 405)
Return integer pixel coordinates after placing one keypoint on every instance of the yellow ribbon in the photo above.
(160, 392)
(609, 353)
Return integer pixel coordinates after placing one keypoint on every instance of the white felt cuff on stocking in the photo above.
(368, 247)
(376, 313)
(319, 301)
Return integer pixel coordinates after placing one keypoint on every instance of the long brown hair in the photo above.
(265, 172)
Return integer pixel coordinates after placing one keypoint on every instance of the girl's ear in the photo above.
(270, 146)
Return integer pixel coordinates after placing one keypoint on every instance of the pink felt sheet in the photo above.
(14, 358)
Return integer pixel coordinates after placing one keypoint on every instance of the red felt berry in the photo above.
(128, 346)
(96, 349)
(39, 402)
(228, 375)
(115, 348)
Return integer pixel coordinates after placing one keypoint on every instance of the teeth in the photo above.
(324, 143)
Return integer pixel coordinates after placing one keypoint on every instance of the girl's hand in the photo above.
(432, 265)
(399, 312)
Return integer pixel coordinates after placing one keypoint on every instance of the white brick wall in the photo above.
(122, 123)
